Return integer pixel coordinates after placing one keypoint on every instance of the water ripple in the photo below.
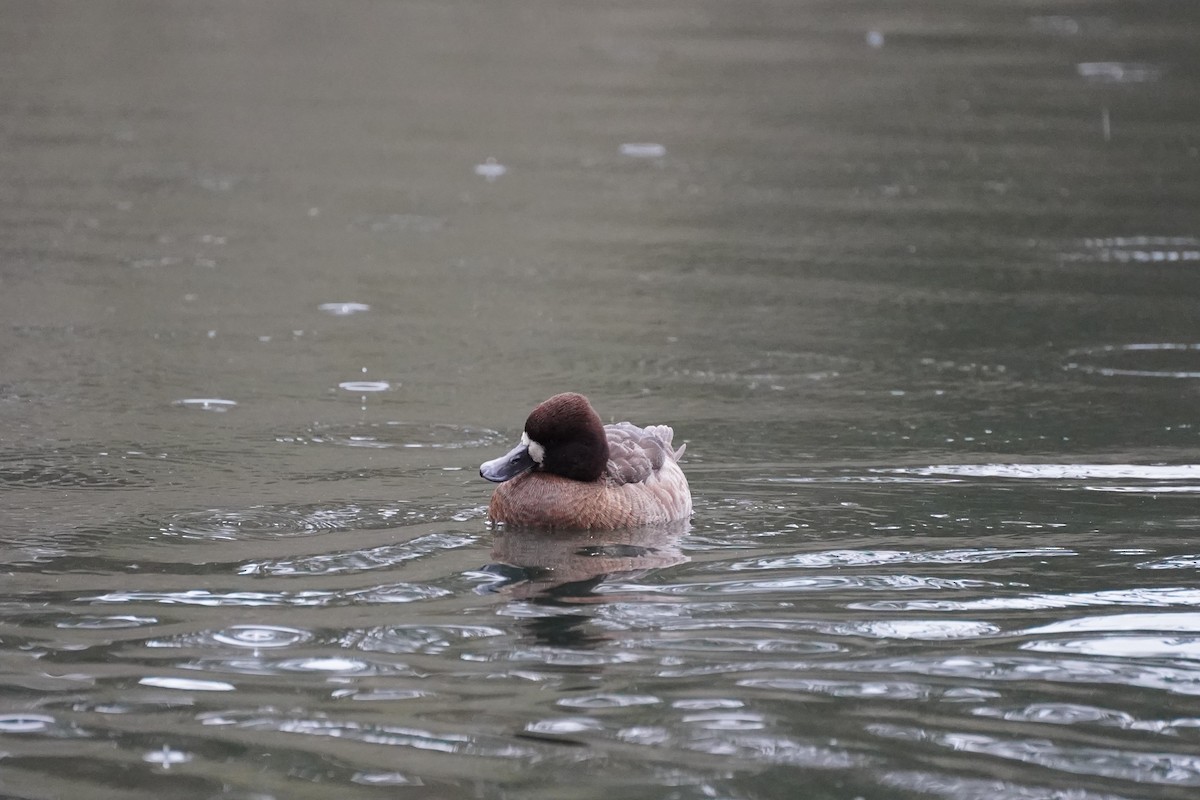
(391, 593)
(383, 557)
(382, 435)
(1078, 714)
(820, 583)
(1182, 680)
(1118, 72)
(380, 695)
(643, 150)
(768, 749)
(1176, 769)
(75, 470)
(752, 643)
(215, 404)
(1155, 597)
(428, 639)
(775, 370)
(959, 788)
(187, 684)
(360, 387)
(1136, 250)
(891, 690)
(344, 309)
(1186, 622)
(858, 558)
(331, 666)
(385, 779)
(1060, 472)
(1138, 360)
(166, 757)
(86, 622)
(26, 723)
(1189, 561)
(271, 522)
(914, 629)
(1174, 647)
(726, 720)
(256, 637)
(380, 734)
(1069, 25)
(395, 223)
(603, 701)
(560, 726)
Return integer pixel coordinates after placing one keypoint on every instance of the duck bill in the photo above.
(507, 466)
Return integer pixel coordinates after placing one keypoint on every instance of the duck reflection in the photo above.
(564, 568)
(561, 570)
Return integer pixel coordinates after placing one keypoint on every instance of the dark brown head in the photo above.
(563, 436)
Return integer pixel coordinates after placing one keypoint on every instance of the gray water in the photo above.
(918, 284)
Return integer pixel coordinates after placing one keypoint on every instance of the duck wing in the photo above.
(634, 454)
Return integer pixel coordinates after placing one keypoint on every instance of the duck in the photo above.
(571, 471)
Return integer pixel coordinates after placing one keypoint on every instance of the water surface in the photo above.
(917, 285)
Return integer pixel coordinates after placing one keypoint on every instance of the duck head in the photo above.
(563, 436)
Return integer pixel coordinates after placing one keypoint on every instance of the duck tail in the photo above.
(665, 434)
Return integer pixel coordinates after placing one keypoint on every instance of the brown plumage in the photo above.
(572, 472)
